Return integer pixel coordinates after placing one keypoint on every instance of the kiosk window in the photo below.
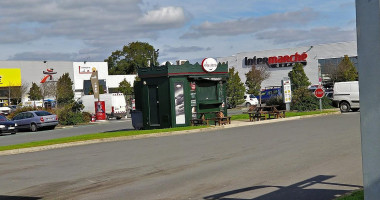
(207, 90)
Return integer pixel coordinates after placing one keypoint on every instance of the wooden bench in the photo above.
(195, 122)
(221, 119)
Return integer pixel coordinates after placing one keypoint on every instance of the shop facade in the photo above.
(24, 73)
(279, 62)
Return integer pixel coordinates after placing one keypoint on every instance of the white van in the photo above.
(115, 104)
(346, 96)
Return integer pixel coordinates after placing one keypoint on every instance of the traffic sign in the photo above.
(319, 92)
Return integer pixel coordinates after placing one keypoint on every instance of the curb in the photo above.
(163, 134)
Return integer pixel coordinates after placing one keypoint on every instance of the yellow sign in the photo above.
(10, 77)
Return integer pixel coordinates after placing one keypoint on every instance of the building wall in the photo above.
(315, 52)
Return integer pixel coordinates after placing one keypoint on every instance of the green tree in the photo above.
(235, 88)
(298, 77)
(35, 92)
(345, 71)
(65, 93)
(125, 87)
(254, 79)
(132, 56)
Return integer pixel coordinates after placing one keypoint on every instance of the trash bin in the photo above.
(137, 119)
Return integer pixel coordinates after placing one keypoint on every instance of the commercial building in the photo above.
(317, 60)
(24, 73)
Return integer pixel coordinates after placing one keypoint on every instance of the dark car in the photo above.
(7, 126)
(33, 120)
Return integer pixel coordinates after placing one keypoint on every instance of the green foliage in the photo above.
(125, 87)
(132, 56)
(235, 88)
(35, 92)
(254, 79)
(71, 114)
(303, 100)
(298, 77)
(346, 71)
(276, 101)
(65, 93)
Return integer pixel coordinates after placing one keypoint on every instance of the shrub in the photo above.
(276, 101)
(67, 117)
(86, 117)
(303, 100)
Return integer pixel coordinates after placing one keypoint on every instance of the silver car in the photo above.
(34, 120)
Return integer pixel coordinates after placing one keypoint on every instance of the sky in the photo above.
(90, 30)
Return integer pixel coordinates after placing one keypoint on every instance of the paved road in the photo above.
(22, 137)
(313, 158)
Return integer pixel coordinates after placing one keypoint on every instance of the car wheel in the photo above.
(344, 106)
(33, 127)
(355, 109)
(118, 118)
(247, 104)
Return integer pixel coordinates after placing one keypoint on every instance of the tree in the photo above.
(35, 92)
(131, 57)
(65, 93)
(255, 77)
(298, 77)
(235, 88)
(345, 71)
(18, 92)
(48, 89)
(125, 87)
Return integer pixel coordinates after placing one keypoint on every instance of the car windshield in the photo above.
(252, 96)
(3, 119)
(42, 113)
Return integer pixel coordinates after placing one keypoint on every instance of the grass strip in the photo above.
(357, 195)
(94, 136)
(287, 114)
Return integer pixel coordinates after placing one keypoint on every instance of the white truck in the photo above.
(115, 104)
(346, 96)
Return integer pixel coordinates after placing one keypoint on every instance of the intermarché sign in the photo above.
(278, 61)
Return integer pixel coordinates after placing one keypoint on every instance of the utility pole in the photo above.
(368, 31)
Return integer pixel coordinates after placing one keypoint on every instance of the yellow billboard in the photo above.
(10, 77)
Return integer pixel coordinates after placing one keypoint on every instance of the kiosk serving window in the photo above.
(207, 90)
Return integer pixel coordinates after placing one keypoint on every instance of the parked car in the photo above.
(33, 120)
(346, 96)
(250, 99)
(7, 126)
(270, 92)
(5, 110)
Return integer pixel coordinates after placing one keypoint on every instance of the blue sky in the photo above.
(71, 30)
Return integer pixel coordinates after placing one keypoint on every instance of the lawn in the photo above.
(288, 114)
(357, 195)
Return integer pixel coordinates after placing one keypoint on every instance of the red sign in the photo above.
(319, 92)
(192, 85)
(100, 110)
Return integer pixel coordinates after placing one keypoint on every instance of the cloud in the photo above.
(252, 24)
(184, 49)
(38, 56)
(313, 36)
(165, 16)
(96, 23)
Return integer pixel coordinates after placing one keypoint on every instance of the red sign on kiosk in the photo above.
(100, 110)
(319, 92)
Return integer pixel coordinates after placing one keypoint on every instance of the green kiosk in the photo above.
(171, 95)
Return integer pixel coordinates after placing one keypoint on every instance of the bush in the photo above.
(86, 117)
(276, 101)
(303, 100)
(67, 117)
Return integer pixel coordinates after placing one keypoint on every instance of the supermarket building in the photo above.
(316, 60)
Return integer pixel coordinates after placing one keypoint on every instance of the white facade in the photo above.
(315, 52)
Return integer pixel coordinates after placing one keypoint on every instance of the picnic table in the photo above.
(265, 112)
(218, 118)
